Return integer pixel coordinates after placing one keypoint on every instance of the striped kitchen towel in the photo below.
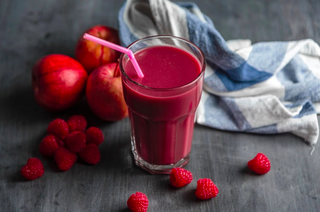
(267, 87)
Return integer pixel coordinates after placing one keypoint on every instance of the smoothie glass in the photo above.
(162, 119)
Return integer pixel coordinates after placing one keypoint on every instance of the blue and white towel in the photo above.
(267, 88)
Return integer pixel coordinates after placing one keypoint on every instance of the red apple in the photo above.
(92, 55)
(104, 93)
(58, 81)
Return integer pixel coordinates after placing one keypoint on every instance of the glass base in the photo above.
(158, 169)
(155, 168)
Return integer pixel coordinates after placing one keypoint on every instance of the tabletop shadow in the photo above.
(125, 210)
(21, 104)
(246, 171)
(16, 177)
(189, 195)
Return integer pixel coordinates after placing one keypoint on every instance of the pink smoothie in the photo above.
(162, 107)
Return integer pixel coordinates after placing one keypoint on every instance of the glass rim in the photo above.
(202, 63)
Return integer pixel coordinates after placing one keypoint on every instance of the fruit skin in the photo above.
(59, 128)
(76, 141)
(104, 93)
(58, 82)
(138, 202)
(206, 189)
(260, 164)
(49, 145)
(64, 159)
(33, 169)
(90, 154)
(77, 123)
(94, 136)
(92, 55)
(60, 143)
(180, 177)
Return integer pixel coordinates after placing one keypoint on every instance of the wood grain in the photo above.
(31, 29)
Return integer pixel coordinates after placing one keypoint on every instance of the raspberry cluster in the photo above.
(66, 140)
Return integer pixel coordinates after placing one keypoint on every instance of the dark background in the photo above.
(31, 29)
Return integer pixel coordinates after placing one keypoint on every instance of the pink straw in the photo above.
(117, 48)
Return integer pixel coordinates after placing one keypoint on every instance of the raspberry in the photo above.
(59, 128)
(33, 169)
(76, 141)
(77, 123)
(206, 189)
(90, 154)
(65, 159)
(94, 136)
(49, 145)
(138, 202)
(260, 164)
(180, 177)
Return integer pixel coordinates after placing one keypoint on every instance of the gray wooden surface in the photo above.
(30, 29)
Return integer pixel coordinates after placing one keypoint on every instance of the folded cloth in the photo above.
(267, 87)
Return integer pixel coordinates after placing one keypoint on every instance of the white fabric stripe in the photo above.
(313, 64)
(174, 24)
(201, 112)
(294, 47)
(316, 106)
(146, 18)
(303, 127)
(245, 52)
(134, 16)
(271, 86)
(239, 44)
(268, 110)
(311, 48)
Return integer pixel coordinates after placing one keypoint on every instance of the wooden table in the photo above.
(30, 29)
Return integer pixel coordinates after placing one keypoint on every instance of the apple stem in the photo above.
(117, 71)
